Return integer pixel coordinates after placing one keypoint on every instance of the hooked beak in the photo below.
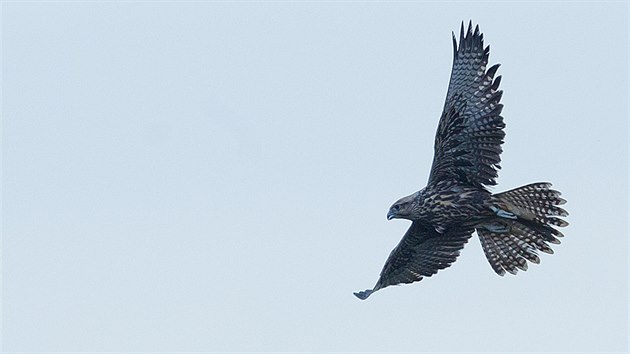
(390, 215)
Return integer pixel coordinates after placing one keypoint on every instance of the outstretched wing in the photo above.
(470, 131)
(421, 253)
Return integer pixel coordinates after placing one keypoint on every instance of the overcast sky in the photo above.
(215, 176)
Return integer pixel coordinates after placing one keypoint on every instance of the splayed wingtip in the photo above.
(364, 294)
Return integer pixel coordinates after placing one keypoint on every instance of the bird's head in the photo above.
(403, 208)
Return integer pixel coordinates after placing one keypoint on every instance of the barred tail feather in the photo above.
(534, 212)
(536, 201)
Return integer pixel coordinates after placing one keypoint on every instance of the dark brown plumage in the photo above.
(512, 226)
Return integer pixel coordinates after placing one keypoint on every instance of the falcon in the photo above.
(513, 226)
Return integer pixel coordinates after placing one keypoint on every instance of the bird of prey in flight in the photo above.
(512, 226)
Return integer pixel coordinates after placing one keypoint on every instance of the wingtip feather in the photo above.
(364, 294)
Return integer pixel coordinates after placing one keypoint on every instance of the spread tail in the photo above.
(524, 224)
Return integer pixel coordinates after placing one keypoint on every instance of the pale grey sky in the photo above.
(214, 176)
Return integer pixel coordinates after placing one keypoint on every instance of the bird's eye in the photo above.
(397, 207)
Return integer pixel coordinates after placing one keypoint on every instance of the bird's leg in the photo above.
(502, 213)
(496, 227)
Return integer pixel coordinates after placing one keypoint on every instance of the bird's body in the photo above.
(448, 204)
(512, 226)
